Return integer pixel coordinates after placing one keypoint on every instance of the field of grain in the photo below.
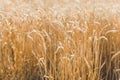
(59, 40)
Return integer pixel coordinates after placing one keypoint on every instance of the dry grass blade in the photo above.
(115, 55)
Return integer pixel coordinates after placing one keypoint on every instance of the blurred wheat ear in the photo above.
(11, 57)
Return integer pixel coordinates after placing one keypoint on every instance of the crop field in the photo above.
(59, 39)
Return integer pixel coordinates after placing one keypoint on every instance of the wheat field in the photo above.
(59, 40)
